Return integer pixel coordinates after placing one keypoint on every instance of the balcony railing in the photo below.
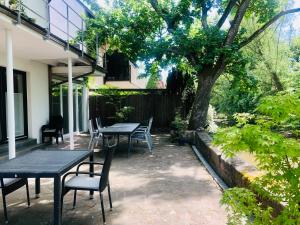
(61, 21)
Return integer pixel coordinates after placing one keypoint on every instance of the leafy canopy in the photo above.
(185, 33)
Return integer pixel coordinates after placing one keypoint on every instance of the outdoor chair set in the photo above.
(77, 181)
(134, 131)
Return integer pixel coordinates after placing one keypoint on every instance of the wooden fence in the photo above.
(157, 103)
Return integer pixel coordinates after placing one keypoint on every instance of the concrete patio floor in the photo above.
(170, 187)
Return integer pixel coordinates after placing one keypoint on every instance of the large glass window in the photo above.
(20, 99)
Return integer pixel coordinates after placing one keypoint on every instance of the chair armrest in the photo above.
(44, 127)
(143, 127)
(138, 132)
(88, 163)
(78, 173)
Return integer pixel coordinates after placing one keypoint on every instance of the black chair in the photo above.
(86, 181)
(9, 185)
(53, 129)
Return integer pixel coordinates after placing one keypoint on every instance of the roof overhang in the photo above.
(30, 45)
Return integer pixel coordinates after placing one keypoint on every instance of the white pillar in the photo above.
(6, 3)
(76, 108)
(10, 96)
(61, 100)
(70, 104)
(84, 102)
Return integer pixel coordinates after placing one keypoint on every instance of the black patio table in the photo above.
(45, 164)
(120, 129)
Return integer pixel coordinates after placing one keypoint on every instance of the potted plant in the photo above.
(124, 113)
(178, 126)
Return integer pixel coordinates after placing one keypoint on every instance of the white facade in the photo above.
(37, 93)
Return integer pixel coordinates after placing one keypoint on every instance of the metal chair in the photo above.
(86, 181)
(9, 185)
(99, 124)
(143, 134)
(54, 128)
(95, 138)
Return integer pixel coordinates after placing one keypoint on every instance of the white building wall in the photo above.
(37, 93)
(139, 82)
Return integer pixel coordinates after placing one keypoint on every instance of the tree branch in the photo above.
(171, 19)
(226, 13)
(204, 14)
(160, 12)
(237, 22)
(266, 25)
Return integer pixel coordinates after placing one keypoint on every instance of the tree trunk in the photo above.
(206, 81)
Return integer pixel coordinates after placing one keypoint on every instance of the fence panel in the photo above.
(160, 104)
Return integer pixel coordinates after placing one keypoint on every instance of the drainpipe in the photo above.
(10, 96)
(76, 109)
(61, 100)
(70, 103)
(85, 97)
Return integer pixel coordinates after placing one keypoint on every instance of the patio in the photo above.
(168, 187)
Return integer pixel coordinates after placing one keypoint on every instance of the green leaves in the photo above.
(244, 208)
(277, 156)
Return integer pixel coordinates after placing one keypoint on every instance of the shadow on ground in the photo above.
(168, 187)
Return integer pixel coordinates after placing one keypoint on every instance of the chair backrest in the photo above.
(91, 128)
(98, 123)
(56, 122)
(150, 124)
(107, 164)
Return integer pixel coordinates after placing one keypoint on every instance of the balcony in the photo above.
(63, 20)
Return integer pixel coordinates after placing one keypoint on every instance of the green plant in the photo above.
(178, 126)
(124, 113)
(272, 135)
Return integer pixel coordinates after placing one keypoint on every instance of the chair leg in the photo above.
(102, 207)
(109, 196)
(74, 199)
(4, 208)
(151, 140)
(90, 143)
(27, 193)
(148, 143)
(62, 201)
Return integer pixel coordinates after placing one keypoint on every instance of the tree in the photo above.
(266, 66)
(191, 34)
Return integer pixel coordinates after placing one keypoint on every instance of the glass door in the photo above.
(20, 98)
(3, 134)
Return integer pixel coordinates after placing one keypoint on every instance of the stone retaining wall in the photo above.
(235, 172)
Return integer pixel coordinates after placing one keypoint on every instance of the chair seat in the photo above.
(83, 182)
(9, 181)
(138, 136)
(49, 131)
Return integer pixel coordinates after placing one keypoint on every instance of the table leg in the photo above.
(91, 171)
(57, 201)
(129, 146)
(103, 142)
(118, 140)
(37, 187)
